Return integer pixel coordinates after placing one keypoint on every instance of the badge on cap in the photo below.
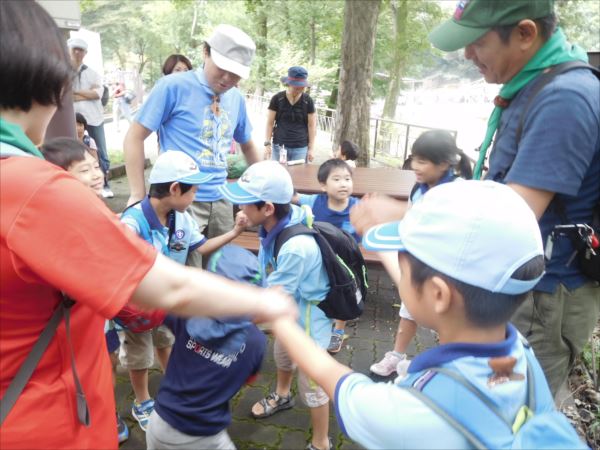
(460, 8)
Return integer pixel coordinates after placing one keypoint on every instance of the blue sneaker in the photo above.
(141, 412)
(122, 429)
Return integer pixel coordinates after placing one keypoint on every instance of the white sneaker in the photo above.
(388, 365)
(107, 193)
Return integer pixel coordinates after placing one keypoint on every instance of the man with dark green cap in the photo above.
(547, 148)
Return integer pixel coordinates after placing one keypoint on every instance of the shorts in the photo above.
(311, 394)
(214, 219)
(161, 435)
(404, 314)
(137, 349)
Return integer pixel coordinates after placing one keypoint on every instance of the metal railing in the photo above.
(390, 139)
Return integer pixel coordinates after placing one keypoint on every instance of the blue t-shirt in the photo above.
(299, 270)
(194, 394)
(322, 212)
(382, 415)
(179, 109)
(420, 189)
(186, 236)
(559, 152)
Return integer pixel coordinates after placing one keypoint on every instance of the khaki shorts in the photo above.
(214, 219)
(311, 394)
(137, 349)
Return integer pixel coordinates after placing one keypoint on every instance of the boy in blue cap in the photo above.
(264, 192)
(468, 252)
(162, 220)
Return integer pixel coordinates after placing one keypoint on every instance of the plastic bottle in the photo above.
(282, 155)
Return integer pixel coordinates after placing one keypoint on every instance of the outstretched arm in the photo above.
(212, 244)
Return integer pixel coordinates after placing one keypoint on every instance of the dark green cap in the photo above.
(473, 18)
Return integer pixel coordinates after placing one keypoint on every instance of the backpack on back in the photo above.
(584, 237)
(344, 264)
(472, 414)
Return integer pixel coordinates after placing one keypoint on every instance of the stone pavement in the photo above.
(368, 339)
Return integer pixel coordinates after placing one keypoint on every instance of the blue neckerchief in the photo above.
(266, 238)
(443, 354)
(448, 176)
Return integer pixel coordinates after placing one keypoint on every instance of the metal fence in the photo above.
(390, 140)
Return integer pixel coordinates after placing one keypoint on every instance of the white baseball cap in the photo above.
(175, 165)
(266, 181)
(232, 50)
(477, 232)
(76, 42)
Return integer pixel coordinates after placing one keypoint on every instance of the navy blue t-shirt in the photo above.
(322, 213)
(559, 152)
(194, 394)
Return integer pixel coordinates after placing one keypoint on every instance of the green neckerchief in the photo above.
(555, 51)
(14, 135)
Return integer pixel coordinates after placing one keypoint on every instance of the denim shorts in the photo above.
(293, 153)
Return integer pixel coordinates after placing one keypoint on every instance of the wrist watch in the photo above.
(267, 143)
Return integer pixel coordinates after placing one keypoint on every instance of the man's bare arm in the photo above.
(251, 152)
(537, 199)
(133, 147)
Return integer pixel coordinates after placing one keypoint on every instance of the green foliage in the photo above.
(580, 20)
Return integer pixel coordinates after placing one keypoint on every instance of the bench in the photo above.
(249, 241)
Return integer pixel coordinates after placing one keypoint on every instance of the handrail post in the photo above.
(406, 142)
(375, 137)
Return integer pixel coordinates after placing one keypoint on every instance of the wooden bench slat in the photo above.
(249, 241)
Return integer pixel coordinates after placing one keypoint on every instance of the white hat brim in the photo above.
(224, 63)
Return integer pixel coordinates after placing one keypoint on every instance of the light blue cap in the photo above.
(477, 232)
(266, 181)
(175, 165)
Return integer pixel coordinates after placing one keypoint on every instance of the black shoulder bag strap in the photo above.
(287, 233)
(24, 373)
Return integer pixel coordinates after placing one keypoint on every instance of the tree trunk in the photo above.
(354, 98)
(313, 39)
(399, 17)
(261, 47)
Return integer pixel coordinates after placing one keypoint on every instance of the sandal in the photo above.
(281, 403)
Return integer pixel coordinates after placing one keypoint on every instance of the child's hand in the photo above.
(241, 222)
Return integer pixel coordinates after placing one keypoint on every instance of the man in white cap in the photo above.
(199, 112)
(87, 92)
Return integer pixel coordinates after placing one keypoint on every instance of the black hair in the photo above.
(350, 150)
(546, 26)
(326, 168)
(281, 209)
(80, 118)
(207, 48)
(482, 307)
(63, 151)
(162, 190)
(172, 61)
(35, 63)
(439, 146)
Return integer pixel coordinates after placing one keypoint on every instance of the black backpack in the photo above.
(105, 93)
(344, 264)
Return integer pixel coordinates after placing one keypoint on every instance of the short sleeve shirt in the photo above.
(559, 152)
(92, 110)
(291, 121)
(186, 236)
(56, 235)
(179, 109)
(322, 212)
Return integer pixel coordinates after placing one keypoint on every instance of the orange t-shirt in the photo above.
(56, 235)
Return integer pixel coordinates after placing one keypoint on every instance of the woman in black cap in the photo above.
(291, 120)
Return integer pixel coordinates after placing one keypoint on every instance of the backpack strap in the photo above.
(280, 103)
(287, 233)
(138, 215)
(24, 373)
(435, 394)
(543, 80)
